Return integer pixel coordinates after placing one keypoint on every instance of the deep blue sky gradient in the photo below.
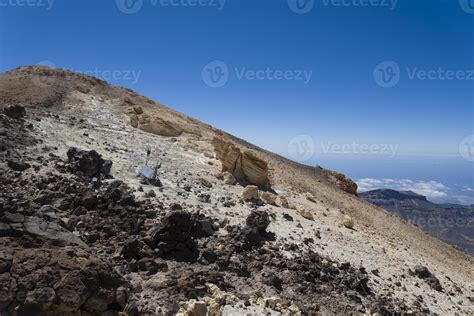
(341, 46)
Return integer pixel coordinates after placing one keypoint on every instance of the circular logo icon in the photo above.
(301, 6)
(467, 5)
(129, 6)
(301, 148)
(466, 148)
(44, 79)
(215, 74)
(387, 74)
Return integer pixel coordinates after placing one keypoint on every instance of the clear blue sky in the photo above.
(167, 44)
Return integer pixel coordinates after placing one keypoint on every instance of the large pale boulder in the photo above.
(348, 222)
(245, 166)
(306, 214)
(158, 126)
(310, 197)
(152, 124)
(269, 197)
(250, 193)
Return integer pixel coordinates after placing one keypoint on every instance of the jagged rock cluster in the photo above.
(88, 163)
(175, 236)
(342, 182)
(46, 277)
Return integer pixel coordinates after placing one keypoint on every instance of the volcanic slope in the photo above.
(202, 238)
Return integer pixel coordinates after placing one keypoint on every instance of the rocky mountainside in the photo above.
(451, 223)
(213, 226)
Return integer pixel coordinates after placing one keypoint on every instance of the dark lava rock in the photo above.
(88, 163)
(208, 256)
(18, 165)
(258, 220)
(15, 111)
(253, 234)
(89, 200)
(152, 266)
(150, 194)
(175, 207)
(5, 261)
(423, 273)
(276, 282)
(173, 238)
(202, 228)
(120, 193)
(47, 197)
(51, 280)
(114, 191)
(132, 249)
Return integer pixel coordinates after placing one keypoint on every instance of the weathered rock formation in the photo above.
(245, 166)
(152, 124)
(342, 182)
(250, 193)
(88, 163)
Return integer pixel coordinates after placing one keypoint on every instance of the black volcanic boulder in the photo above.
(255, 230)
(15, 111)
(258, 220)
(120, 193)
(423, 273)
(173, 237)
(88, 163)
(18, 165)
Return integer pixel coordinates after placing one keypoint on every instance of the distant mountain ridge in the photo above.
(452, 223)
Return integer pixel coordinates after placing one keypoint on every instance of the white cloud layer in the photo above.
(467, 189)
(430, 189)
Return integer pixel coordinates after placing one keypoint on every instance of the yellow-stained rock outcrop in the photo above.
(153, 124)
(343, 183)
(245, 166)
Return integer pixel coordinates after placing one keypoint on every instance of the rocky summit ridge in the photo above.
(225, 228)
